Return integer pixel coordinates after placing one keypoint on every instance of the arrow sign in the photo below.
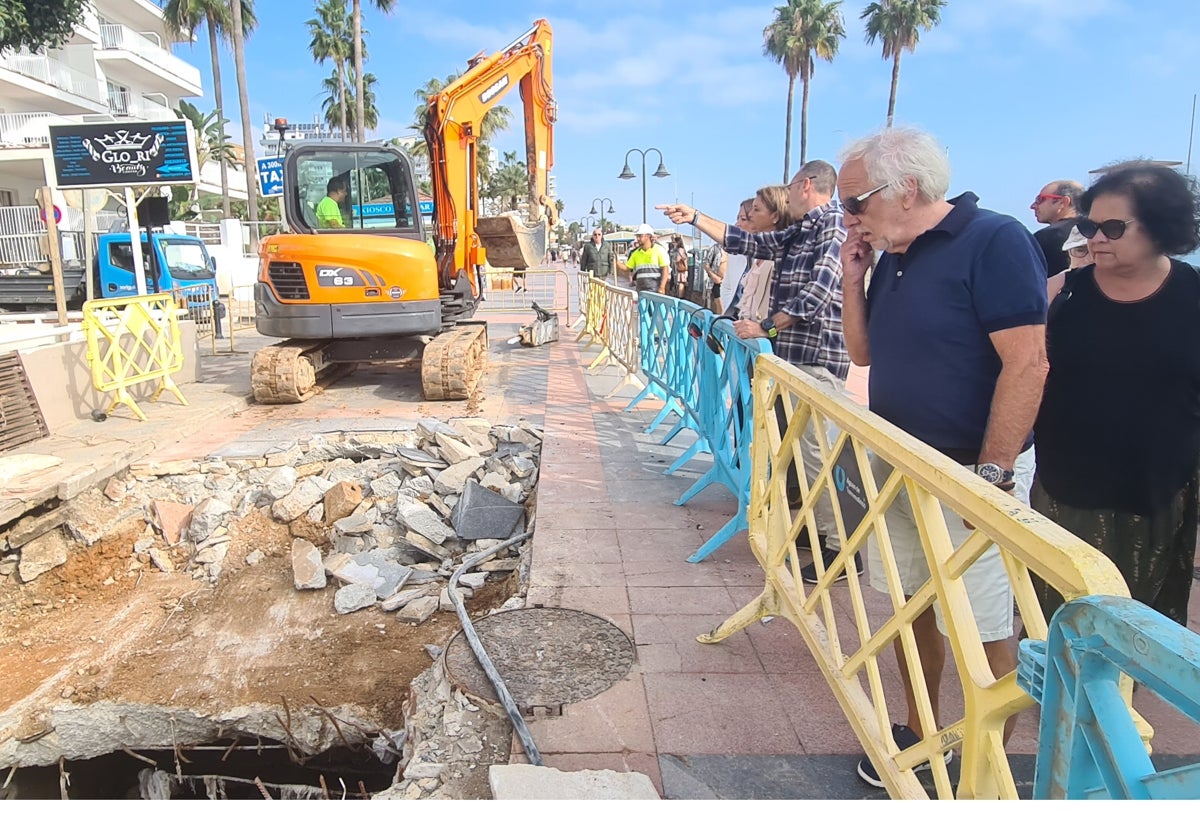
(270, 176)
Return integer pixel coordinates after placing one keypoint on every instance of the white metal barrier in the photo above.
(514, 290)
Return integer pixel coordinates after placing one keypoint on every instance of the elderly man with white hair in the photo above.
(953, 327)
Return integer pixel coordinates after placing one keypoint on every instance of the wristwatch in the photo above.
(996, 475)
(768, 326)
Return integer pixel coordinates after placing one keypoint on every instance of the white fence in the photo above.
(114, 36)
(55, 73)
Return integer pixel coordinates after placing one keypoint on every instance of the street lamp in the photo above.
(592, 212)
(627, 173)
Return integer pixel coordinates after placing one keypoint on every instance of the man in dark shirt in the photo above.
(597, 257)
(1056, 206)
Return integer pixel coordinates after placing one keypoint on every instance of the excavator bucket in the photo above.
(510, 243)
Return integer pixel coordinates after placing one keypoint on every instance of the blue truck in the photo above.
(172, 262)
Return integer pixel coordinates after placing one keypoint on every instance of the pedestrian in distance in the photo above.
(1056, 207)
(647, 265)
(953, 326)
(679, 267)
(1118, 433)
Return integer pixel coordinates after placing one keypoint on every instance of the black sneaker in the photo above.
(904, 738)
(803, 543)
(809, 573)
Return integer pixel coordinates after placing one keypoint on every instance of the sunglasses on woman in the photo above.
(856, 204)
(1111, 228)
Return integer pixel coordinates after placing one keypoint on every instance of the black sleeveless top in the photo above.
(1119, 426)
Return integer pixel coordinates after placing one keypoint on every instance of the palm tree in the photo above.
(330, 31)
(212, 143)
(494, 121)
(384, 6)
(800, 30)
(510, 181)
(335, 85)
(183, 16)
(240, 30)
(898, 24)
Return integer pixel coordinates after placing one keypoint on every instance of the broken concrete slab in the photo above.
(418, 611)
(206, 517)
(354, 524)
(40, 555)
(498, 484)
(453, 449)
(444, 602)
(341, 499)
(525, 781)
(296, 503)
(453, 478)
(408, 595)
(429, 428)
(32, 527)
(417, 517)
(356, 596)
(473, 580)
(308, 572)
(279, 482)
(484, 514)
(172, 519)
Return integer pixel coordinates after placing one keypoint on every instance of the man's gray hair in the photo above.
(823, 175)
(894, 154)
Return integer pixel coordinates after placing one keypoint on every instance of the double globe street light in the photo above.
(627, 173)
(592, 212)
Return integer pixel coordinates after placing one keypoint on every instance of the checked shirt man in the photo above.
(805, 311)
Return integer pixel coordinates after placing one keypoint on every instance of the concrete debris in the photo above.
(206, 517)
(32, 527)
(356, 596)
(408, 595)
(418, 611)
(254, 557)
(484, 514)
(39, 556)
(171, 518)
(524, 781)
(296, 503)
(454, 450)
(417, 517)
(341, 500)
(308, 571)
(279, 482)
(454, 478)
(356, 523)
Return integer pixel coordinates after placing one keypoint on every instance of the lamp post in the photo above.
(592, 212)
(627, 173)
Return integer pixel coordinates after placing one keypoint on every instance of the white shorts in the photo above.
(986, 581)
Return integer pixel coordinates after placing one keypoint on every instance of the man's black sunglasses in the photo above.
(856, 204)
(1111, 228)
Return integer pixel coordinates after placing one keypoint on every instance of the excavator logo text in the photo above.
(495, 89)
(330, 275)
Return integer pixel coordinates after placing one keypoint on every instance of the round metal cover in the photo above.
(547, 656)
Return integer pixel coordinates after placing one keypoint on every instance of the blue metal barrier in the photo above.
(689, 354)
(657, 316)
(726, 409)
(1088, 744)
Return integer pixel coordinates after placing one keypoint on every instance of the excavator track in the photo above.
(453, 362)
(288, 372)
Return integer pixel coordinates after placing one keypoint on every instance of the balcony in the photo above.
(144, 61)
(28, 130)
(123, 103)
(40, 83)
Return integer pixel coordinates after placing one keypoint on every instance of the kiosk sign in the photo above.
(123, 154)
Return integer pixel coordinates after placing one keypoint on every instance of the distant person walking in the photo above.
(597, 257)
(1056, 206)
(1118, 433)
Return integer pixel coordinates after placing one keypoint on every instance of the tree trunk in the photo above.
(239, 64)
(895, 84)
(341, 71)
(359, 116)
(803, 120)
(216, 71)
(787, 134)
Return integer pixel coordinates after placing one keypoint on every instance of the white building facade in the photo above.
(117, 66)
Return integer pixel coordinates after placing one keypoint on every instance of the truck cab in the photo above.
(171, 262)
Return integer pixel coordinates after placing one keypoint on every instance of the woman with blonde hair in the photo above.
(769, 211)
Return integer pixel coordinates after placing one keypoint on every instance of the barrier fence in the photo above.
(510, 290)
(1090, 746)
(133, 340)
(867, 467)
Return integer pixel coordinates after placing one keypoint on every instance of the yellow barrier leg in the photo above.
(168, 384)
(764, 606)
(121, 397)
(601, 359)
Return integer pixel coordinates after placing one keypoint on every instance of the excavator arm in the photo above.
(455, 117)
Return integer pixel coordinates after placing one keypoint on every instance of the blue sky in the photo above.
(1020, 91)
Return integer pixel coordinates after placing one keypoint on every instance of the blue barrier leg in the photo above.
(698, 485)
(739, 523)
(680, 425)
(695, 449)
(645, 392)
(670, 407)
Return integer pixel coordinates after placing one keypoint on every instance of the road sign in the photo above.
(426, 208)
(123, 154)
(270, 176)
(57, 214)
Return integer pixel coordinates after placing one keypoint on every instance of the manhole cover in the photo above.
(547, 657)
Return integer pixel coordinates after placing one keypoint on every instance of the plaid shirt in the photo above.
(807, 284)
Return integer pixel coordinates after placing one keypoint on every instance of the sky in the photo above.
(1021, 92)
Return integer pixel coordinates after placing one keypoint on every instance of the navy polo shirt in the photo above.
(929, 314)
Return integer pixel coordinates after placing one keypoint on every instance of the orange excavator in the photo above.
(358, 282)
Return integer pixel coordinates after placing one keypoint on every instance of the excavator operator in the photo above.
(329, 208)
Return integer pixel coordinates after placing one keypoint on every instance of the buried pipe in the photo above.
(485, 661)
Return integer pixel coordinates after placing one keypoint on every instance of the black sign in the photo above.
(851, 496)
(122, 154)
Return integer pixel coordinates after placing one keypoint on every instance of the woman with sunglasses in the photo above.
(1118, 433)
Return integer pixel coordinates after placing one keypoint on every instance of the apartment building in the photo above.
(117, 65)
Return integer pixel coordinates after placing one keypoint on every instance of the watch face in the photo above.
(990, 473)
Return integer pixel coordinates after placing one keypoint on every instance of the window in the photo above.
(186, 260)
(372, 190)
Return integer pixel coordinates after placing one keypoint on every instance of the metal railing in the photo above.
(56, 74)
(125, 103)
(510, 290)
(115, 36)
(25, 129)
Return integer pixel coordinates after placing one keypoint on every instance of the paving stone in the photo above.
(279, 481)
(281, 457)
(453, 478)
(499, 484)
(418, 611)
(341, 500)
(524, 781)
(207, 517)
(295, 504)
(417, 461)
(522, 466)
(484, 514)
(356, 596)
(453, 449)
(424, 770)
(308, 572)
(30, 528)
(356, 523)
(387, 485)
(444, 602)
(473, 580)
(502, 564)
(421, 485)
(408, 595)
(171, 518)
(426, 546)
(42, 554)
(418, 518)
(429, 428)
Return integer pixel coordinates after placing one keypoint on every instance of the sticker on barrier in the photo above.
(846, 631)
(130, 341)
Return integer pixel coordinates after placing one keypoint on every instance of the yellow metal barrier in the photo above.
(833, 620)
(133, 340)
